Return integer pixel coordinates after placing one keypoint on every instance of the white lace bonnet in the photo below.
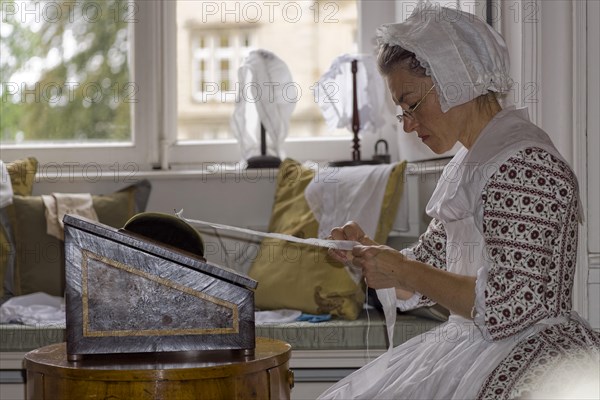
(464, 56)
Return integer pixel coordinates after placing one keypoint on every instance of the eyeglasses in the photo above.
(410, 113)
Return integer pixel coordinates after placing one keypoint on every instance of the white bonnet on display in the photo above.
(464, 56)
(335, 95)
(263, 98)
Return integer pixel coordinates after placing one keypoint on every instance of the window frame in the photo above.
(154, 128)
(192, 154)
(142, 152)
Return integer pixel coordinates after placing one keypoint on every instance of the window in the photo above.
(65, 72)
(306, 35)
(157, 95)
(75, 88)
(161, 117)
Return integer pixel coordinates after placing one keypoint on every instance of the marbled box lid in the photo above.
(161, 250)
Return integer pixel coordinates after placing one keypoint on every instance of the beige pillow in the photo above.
(302, 277)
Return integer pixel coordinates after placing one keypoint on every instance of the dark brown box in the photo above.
(128, 294)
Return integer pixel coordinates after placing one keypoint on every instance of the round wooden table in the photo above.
(165, 376)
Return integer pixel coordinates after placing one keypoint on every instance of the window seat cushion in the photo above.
(336, 334)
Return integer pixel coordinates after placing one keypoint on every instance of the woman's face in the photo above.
(436, 129)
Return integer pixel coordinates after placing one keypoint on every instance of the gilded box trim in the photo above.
(88, 332)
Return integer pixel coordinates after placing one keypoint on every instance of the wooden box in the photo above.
(129, 294)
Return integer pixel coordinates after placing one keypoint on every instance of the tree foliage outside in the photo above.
(64, 71)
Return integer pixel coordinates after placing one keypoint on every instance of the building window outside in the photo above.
(216, 58)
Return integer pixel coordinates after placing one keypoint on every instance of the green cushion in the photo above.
(7, 254)
(22, 174)
(40, 257)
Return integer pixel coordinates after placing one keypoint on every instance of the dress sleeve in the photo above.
(530, 231)
(430, 249)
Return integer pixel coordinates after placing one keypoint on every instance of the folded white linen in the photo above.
(59, 204)
(34, 309)
(401, 221)
(352, 193)
(276, 316)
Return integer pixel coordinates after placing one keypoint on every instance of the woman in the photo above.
(501, 249)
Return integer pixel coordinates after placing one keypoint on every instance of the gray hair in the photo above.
(391, 57)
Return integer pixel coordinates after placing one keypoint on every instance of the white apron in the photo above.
(453, 360)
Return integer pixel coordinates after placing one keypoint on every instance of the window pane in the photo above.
(306, 35)
(224, 42)
(225, 65)
(64, 71)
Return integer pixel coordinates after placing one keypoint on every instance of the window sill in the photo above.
(128, 173)
(206, 171)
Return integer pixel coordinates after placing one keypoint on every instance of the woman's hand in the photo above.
(382, 266)
(353, 232)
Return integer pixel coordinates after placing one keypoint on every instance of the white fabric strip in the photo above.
(330, 244)
(387, 297)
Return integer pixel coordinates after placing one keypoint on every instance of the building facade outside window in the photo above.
(213, 39)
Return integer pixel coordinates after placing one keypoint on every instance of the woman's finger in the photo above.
(359, 250)
(338, 255)
(338, 234)
(353, 232)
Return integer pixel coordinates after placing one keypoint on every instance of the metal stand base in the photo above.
(263, 162)
(353, 163)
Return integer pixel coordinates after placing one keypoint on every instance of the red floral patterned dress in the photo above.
(511, 220)
(530, 229)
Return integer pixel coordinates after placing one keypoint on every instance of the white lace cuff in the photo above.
(413, 302)
(410, 304)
